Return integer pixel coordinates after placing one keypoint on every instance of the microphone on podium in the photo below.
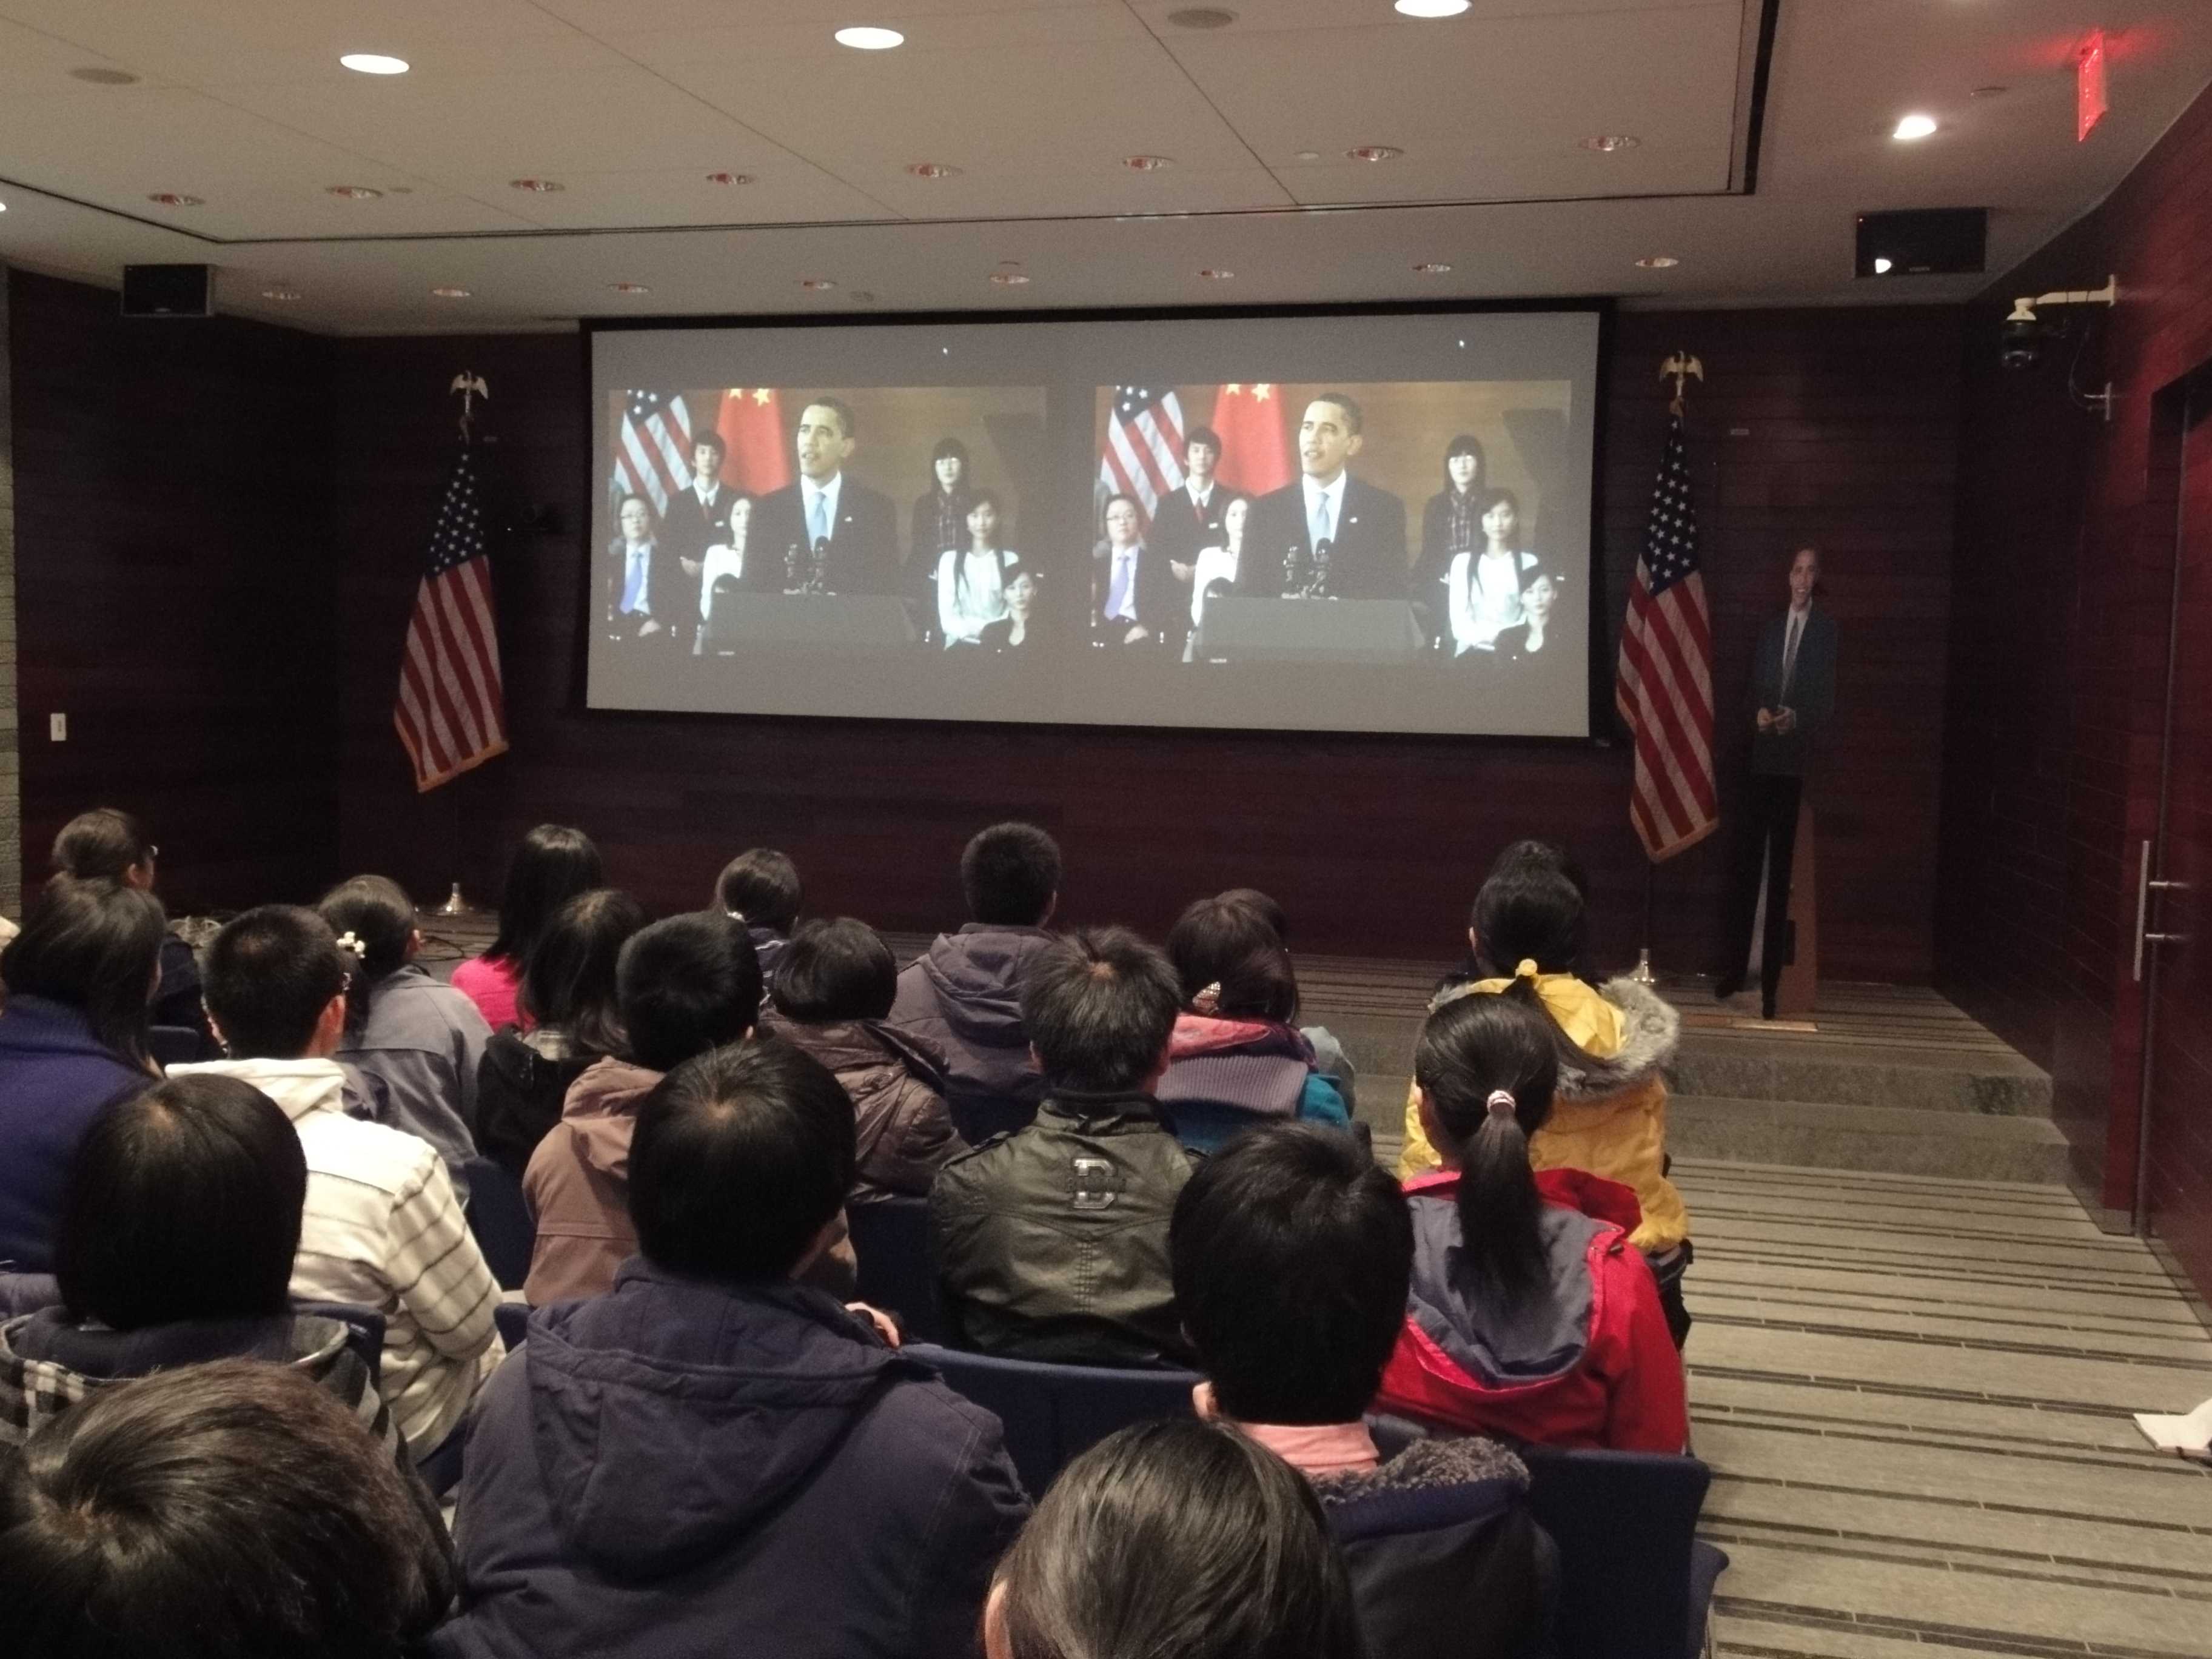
(818, 578)
(1324, 550)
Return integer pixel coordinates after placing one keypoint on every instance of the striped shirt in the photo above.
(382, 1229)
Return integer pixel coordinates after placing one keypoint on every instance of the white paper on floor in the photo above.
(2191, 1435)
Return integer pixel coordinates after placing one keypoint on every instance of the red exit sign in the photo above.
(2089, 100)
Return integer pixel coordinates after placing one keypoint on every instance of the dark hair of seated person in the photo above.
(1291, 1252)
(1009, 874)
(269, 974)
(93, 946)
(1532, 908)
(105, 844)
(1099, 1006)
(1269, 910)
(215, 1511)
(568, 984)
(549, 865)
(1174, 1539)
(835, 970)
(761, 887)
(1230, 945)
(377, 912)
(740, 1159)
(685, 985)
(182, 1203)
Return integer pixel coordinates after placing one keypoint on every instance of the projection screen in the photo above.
(1363, 523)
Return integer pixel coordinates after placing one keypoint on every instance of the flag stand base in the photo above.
(1642, 974)
(455, 905)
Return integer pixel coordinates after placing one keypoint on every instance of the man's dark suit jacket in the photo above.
(1369, 559)
(673, 601)
(690, 529)
(863, 542)
(1179, 529)
(1811, 691)
(1163, 604)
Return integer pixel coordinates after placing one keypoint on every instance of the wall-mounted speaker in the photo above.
(1924, 241)
(168, 291)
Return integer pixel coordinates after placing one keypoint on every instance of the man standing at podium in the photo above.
(850, 525)
(1360, 529)
(1793, 687)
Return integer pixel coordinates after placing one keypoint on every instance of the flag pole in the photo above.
(468, 386)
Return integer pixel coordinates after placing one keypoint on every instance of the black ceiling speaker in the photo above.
(168, 291)
(1924, 241)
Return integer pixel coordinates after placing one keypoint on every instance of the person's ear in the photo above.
(748, 1036)
(1051, 909)
(414, 943)
(1473, 943)
(330, 1027)
(1426, 1111)
(1203, 1405)
(996, 1645)
(1351, 448)
(832, 1233)
(214, 1027)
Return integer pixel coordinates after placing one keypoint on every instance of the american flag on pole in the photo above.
(1143, 457)
(452, 713)
(652, 450)
(1664, 688)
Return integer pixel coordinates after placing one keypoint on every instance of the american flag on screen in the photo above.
(653, 451)
(1143, 449)
(1664, 688)
(452, 713)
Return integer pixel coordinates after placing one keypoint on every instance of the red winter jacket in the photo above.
(1588, 1362)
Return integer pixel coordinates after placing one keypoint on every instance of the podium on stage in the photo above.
(1308, 631)
(860, 622)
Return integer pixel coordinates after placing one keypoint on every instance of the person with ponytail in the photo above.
(1614, 1040)
(1530, 1316)
(418, 1043)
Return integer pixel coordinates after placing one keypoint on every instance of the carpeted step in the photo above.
(1901, 1141)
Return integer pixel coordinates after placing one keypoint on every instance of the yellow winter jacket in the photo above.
(1609, 1117)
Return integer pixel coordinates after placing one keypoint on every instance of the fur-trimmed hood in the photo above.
(1650, 1030)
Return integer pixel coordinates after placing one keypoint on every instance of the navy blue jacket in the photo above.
(54, 1078)
(679, 1469)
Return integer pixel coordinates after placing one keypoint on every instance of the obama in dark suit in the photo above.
(857, 524)
(1365, 527)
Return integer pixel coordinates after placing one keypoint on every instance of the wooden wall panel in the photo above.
(2058, 660)
(175, 588)
(1837, 427)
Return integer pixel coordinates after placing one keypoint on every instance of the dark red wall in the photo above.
(1837, 427)
(176, 587)
(2058, 658)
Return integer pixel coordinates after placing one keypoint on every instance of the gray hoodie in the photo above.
(964, 996)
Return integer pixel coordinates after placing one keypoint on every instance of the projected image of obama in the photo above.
(1329, 535)
(828, 533)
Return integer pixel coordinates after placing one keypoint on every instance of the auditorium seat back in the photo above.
(980, 1116)
(1631, 1567)
(500, 1218)
(891, 1243)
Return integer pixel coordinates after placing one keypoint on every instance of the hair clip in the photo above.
(1527, 969)
(351, 941)
(1500, 1104)
(1208, 1000)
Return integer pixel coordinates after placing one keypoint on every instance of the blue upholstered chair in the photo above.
(500, 1221)
(891, 1243)
(1634, 1581)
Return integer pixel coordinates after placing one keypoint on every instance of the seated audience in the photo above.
(1615, 1043)
(1052, 1243)
(72, 1038)
(381, 1227)
(551, 864)
(964, 995)
(760, 887)
(177, 1229)
(714, 1457)
(1174, 1539)
(214, 1512)
(1237, 1059)
(1531, 1316)
(1293, 1253)
(569, 1020)
(829, 998)
(683, 986)
(108, 844)
(421, 1042)
(1329, 1057)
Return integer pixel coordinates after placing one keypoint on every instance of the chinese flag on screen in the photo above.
(1255, 438)
(751, 424)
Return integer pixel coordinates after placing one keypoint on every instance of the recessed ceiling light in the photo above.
(729, 178)
(353, 192)
(934, 170)
(1881, 267)
(1658, 262)
(1009, 279)
(869, 39)
(373, 63)
(1214, 275)
(816, 284)
(1202, 17)
(449, 293)
(629, 288)
(170, 198)
(1309, 156)
(280, 292)
(1605, 143)
(1432, 268)
(1990, 92)
(1376, 153)
(95, 75)
(1431, 8)
(536, 186)
(1147, 163)
(1914, 126)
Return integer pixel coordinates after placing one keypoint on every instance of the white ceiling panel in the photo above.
(1257, 16)
(1441, 175)
(786, 191)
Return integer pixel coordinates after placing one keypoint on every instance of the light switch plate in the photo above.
(57, 727)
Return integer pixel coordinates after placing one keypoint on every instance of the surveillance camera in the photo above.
(2019, 343)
